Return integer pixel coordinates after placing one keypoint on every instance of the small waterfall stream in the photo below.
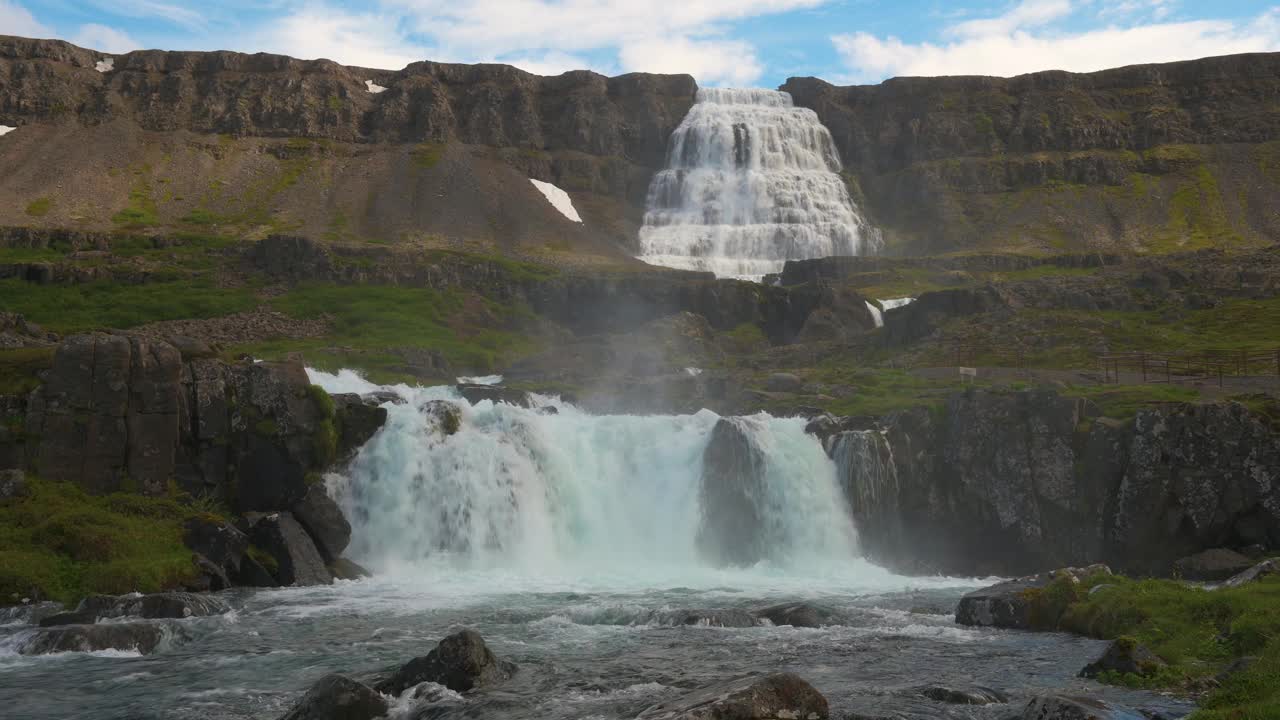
(751, 182)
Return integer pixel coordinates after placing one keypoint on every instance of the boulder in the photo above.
(1214, 565)
(254, 574)
(964, 695)
(13, 485)
(143, 637)
(335, 697)
(447, 416)
(493, 393)
(358, 420)
(1125, 656)
(784, 382)
(706, 618)
(1065, 707)
(324, 521)
(298, 562)
(1015, 603)
(732, 482)
(1266, 568)
(168, 605)
(770, 697)
(218, 543)
(461, 662)
(344, 569)
(803, 615)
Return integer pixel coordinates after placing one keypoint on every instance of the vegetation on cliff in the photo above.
(60, 543)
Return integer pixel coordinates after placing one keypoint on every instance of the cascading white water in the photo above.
(751, 182)
(533, 492)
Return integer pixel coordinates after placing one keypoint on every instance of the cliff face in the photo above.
(598, 136)
(1011, 483)
(1149, 157)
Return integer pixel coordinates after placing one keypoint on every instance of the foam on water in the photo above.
(751, 182)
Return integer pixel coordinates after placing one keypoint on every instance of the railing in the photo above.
(1182, 367)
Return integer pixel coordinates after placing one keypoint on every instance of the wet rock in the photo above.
(218, 543)
(170, 605)
(964, 695)
(805, 615)
(447, 416)
(29, 613)
(1011, 604)
(494, 393)
(324, 521)
(1214, 565)
(142, 637)
(732, 480)
(254, 574)
(784, 382)
(13, 484)
(1065, 707)
(775, 697)
(1125, 656)
(1266, 568)
(335, 697)
(344, 569)
(461, 662)
(359, 420)
(707, 618)
(298, 562)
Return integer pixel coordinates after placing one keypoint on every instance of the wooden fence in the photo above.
(1182, 367)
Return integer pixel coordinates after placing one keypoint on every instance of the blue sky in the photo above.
(720, 42)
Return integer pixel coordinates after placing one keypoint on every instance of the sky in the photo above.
(734, 43)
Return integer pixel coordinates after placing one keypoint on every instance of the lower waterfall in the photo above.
(554, 490)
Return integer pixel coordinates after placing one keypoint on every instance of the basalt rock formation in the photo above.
(1148, 157)
(1007, 483)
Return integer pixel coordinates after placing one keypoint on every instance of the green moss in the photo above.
(60, 543)
(323, 401)
(110, 304)
(141, 210)
(326, 443)
(20, 369)
(264, 558)
(334, 103)
(427, 155)
(39, 207)
(266, 428)
(200, 216)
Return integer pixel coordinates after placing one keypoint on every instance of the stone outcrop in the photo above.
(804, 615)
(336, 697)
(461, 662)
(1008, 483)
(732, 483)
(1212, 565)
(297, 561)
(324, 522)
(768, 697)
(1022, 603)
(142, 637)
(1068, 707)
(156, 606)
(964, 695)
(1125, 656)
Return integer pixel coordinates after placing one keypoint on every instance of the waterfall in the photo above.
(751, 182)
(868, 473)
(532, 491)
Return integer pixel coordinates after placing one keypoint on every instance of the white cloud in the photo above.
(712, 62)
(549, 63)
(367, 39)
(17, 20)
(151, 9)
(1025, 40)
(104, 39)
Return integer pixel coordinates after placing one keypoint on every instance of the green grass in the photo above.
(1197, 631)
(427, 155)
(141, 210)
(1124, 402)
(109, 304)
(60, 543)
(39, 207)
(370, 323)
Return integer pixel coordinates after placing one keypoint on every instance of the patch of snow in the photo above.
(5, 130)
(896, 303)
(481, 380)
(876, 315)
(374, 87)
(105, 66)
(694, 372)
(558, 198)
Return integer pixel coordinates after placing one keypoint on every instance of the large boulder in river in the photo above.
(324, 521)
(220, 544)
(1022, 603)
(1213, 565)
(494, 393)
(733, 470)
(1066, 707)
(461, 662)
(964, 695)
(1125, 656)
(805, 615)
(781, 696)
(335, 697)
(157, 606)
(298, 562)
(142, 637)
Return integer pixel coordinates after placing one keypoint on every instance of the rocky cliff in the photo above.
(1006, 483)
(1148, 157)
(199, 138)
